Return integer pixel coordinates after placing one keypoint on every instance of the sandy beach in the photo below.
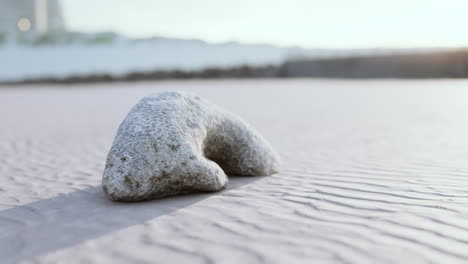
(373, 171)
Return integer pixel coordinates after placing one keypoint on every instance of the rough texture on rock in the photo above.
(172, 143)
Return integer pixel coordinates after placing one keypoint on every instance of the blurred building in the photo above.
(30, 16)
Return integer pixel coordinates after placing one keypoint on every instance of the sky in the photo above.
(306, 23)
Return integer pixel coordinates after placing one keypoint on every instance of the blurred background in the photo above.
(109, 40)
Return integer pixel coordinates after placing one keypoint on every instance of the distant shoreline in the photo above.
(429, 65)
(269, 71)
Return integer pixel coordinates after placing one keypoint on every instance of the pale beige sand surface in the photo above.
(373, 172)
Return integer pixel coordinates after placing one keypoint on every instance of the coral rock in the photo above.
(173, 143)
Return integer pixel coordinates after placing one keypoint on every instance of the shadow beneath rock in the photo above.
(48, 225)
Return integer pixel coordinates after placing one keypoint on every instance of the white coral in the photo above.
(172, 143)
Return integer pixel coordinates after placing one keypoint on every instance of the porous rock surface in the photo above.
(172, 143)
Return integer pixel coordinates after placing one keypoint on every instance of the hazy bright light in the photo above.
(311, 23)
(24, 24)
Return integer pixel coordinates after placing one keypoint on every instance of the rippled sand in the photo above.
(373, 172)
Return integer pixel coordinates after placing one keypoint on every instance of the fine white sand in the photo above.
(373, 172)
